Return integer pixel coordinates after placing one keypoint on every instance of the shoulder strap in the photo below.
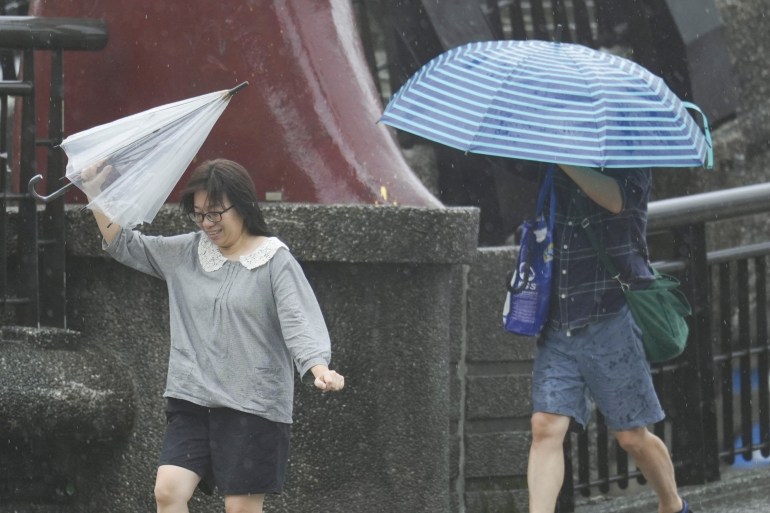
(604, 258)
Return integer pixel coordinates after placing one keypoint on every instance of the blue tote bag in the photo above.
(529, 290)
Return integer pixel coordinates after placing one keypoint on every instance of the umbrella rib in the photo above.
(602, 124)
(489, 104)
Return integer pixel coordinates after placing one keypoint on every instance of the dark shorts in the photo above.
(237, 452)
(603, 362)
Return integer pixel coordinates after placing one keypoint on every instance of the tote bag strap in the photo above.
(547, 191)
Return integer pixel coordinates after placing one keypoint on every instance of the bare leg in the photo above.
(652, 457)
(545, 471)
(244, 503)
(174, 487)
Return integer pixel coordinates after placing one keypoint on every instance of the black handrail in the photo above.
(36, 283)
(23, 32)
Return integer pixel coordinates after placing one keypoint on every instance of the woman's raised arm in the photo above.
(96, 175)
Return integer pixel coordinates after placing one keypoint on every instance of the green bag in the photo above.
(660, 312)
(659, 309)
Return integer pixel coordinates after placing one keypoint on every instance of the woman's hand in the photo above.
(93, 178)
(327, 380)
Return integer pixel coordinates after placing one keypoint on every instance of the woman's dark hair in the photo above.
(220, 178)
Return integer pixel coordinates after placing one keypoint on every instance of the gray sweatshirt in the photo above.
(236, 327)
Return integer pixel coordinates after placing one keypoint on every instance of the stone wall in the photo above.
(497, 393)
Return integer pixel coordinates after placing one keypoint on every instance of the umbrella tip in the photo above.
(237, 88)
(559, 30)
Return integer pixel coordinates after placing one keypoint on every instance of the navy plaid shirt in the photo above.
(583, 291)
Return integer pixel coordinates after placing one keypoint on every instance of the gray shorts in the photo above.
(603, 362)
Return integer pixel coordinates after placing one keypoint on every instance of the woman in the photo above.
(241, 315)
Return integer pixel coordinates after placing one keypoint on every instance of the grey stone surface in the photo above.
(458, 346)
(65, 408)
(365, 448)
(487, 340)
(498, 454)
(496, 501)
(333, 233)
(497, 401)
(459, 313)
(82, 395)
(749, 44)
(491, 397)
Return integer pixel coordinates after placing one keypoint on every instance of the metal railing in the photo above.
(716, 394)
(32, 266)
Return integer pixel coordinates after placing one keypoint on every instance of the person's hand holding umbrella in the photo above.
(600, 188)
(93, 179)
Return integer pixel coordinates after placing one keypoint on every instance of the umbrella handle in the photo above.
(45, 199)
(709, 164)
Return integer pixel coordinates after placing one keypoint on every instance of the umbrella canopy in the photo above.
(148, 152)
(550, 102)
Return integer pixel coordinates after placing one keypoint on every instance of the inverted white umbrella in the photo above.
(148, 152)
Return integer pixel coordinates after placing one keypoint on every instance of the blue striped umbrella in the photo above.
(550, 102)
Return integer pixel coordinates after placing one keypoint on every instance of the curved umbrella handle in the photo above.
(45, 199)
(709, 164)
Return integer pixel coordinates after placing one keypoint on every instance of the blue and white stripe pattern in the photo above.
(549, 102)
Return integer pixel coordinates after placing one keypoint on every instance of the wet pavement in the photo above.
(739, 491)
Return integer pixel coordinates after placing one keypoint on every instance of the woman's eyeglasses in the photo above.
(214, 217)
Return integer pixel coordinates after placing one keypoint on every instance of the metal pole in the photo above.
(29, 314)
(52, 254)
(695, 428)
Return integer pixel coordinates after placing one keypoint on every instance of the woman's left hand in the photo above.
(329, 381)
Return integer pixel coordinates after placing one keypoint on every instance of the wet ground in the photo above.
(739, 491)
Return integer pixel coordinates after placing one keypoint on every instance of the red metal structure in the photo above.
(307, 125)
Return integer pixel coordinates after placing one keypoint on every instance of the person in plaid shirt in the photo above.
(591, 346)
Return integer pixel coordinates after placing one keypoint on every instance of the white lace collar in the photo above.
(212, 259)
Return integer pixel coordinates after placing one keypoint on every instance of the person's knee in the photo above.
(633, 441)
(174, 485)
(244, 503)
(547, 426)
(168, 492)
